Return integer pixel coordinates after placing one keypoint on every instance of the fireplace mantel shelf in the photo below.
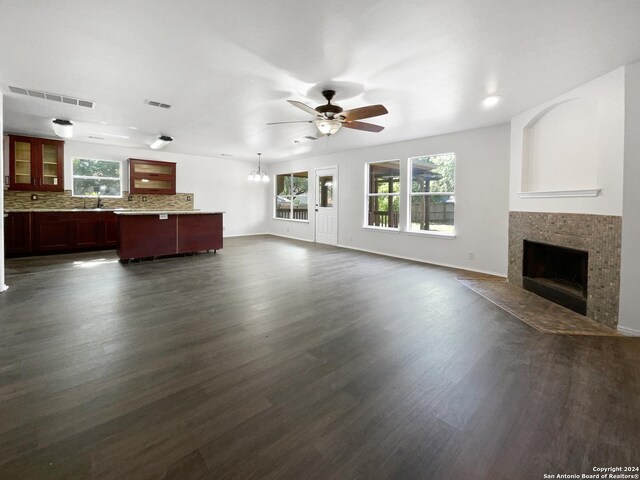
(593, 192)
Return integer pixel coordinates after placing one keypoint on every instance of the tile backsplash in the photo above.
(19, 200)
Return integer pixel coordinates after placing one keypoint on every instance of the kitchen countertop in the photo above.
(119, 211)
(160, 212)
(18, 210)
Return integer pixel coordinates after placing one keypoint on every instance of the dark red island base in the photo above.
(155, 234)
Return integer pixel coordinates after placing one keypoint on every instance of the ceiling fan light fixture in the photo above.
(62, 128)
(160, 142)
(328, 126)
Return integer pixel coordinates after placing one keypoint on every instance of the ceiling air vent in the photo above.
(54, 97)
(153, 103)
(21, 91)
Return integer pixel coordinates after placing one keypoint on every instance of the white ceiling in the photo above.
(227, 67)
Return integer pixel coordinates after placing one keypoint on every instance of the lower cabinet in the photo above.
(51, 232)
(58, 232)
(17, 233)
(153, 235)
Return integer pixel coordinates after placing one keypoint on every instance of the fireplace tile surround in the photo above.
(599, 235)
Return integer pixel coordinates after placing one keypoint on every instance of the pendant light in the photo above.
(258, 175)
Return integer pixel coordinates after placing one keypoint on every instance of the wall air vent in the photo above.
(153, 103)
(54, 97)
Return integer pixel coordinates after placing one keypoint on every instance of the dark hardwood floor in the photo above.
(284, 359)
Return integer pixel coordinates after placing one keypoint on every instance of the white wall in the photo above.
(217, 184)
(481, 217)
(630, 272)
(566, 172)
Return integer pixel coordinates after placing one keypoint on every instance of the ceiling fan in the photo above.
(330, 118)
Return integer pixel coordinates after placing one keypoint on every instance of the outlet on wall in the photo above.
(472, 256)
(144, 199)
(34, 197)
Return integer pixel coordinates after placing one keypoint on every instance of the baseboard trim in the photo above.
(244, 235)
(629, 332)
(419, 260)
(292, 238)
(384, 254)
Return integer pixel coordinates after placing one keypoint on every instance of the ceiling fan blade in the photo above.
(369, 127)
(302, 106)
(295, 121)
(364, 112)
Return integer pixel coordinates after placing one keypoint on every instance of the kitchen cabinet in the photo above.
(154, 234)
(52, 232)
(17, 233)
(151, 176)
(36, 164)
(29, 233)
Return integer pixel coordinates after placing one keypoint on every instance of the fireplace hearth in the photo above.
(556, 273)
(599, 235)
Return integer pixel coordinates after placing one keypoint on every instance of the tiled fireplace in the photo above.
(593, 237)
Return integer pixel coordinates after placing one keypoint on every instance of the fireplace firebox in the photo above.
(556, 273)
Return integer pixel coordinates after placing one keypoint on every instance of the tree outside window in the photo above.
(291, 199)
(97, 177)
(433, 193)
(383, 194)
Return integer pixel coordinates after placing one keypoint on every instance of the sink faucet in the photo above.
(100, 203)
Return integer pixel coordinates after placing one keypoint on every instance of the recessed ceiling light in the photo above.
(133, 128)
(104, 123)
(491, 100)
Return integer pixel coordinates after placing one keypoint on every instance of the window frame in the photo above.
(74, 176)
(410, 194)
(368, 195)
(276, 195)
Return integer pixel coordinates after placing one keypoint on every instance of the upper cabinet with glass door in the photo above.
(36, 164)
(152, 176)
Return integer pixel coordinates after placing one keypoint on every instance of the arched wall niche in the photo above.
(561, 147)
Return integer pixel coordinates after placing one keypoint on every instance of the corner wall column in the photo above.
(3, 286)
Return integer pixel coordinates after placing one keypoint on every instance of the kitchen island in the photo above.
(143, 234)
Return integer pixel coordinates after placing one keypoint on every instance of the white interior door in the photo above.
(327, 205)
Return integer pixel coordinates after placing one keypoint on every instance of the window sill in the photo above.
(446, 236)
(382, 229)
(290, 220)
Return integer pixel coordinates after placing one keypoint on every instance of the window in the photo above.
(292, 195)
(97, 177)
(383, 194)
(432, 193)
